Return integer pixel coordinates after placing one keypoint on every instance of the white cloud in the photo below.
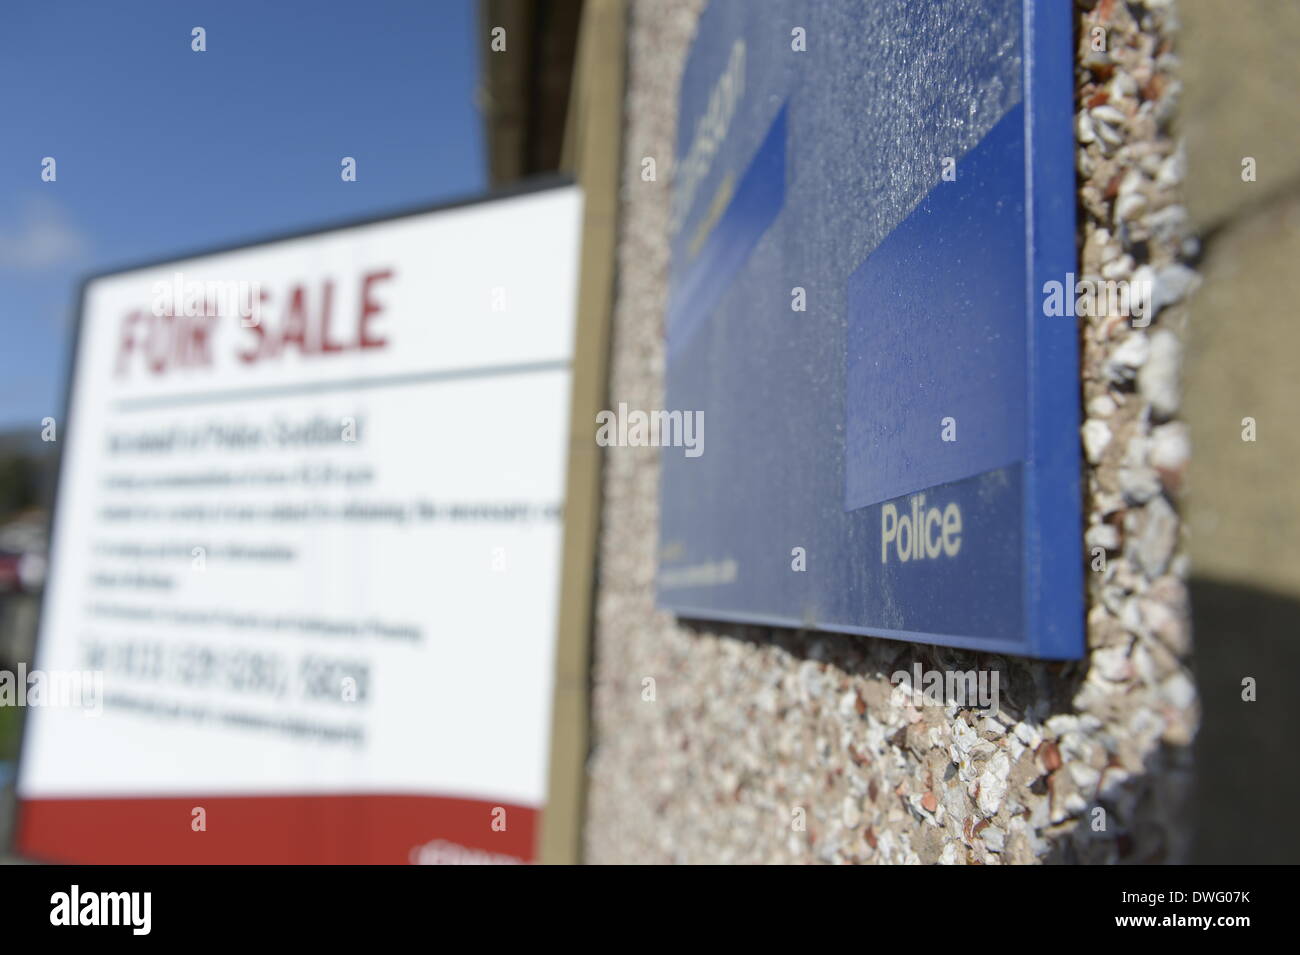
(44, 237)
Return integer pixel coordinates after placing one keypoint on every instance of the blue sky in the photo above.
(161, 150)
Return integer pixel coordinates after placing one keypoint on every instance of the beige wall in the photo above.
(1242, 99)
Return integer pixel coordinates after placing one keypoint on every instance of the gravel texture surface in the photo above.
(766, 745)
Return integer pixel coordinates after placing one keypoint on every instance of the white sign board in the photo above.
(307, 535)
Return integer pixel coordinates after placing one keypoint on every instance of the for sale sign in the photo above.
(306, 548)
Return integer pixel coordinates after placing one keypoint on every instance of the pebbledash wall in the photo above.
(751, 724)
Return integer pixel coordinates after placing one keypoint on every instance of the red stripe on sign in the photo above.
(276, 830)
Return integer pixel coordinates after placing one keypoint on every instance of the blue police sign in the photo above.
(867, 199)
